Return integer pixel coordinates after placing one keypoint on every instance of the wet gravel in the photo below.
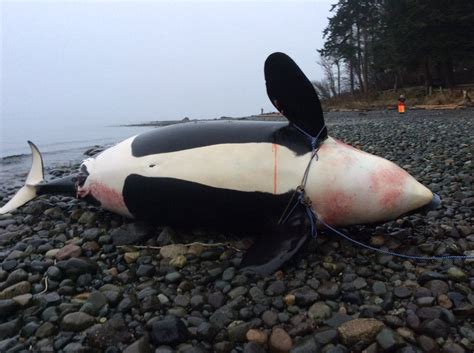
(74, 278)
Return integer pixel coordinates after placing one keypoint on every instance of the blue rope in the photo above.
(387, 252)
(313, 217)
(312, 139)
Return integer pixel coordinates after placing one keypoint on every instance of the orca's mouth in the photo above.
(434, 204)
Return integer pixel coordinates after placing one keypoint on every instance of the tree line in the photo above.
(389, 44)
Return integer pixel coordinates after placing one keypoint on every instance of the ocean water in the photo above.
(59, 144)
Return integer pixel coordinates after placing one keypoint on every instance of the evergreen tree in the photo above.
(388, 43)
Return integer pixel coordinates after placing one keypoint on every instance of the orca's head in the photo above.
(355, 187)
(352, 186)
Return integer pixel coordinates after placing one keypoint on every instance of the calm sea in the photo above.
(60, 144)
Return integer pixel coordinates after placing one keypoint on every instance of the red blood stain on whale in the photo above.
(336, 205)
(390, 197)
(108, 197)
(388, 184)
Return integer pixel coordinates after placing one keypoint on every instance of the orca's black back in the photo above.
(186, 136)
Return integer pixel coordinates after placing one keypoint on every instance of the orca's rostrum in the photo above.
(242, 174)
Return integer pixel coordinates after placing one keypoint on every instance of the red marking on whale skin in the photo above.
(275, 169)
(336, 205)
(390, 197)
(108, 197)
(388, 183)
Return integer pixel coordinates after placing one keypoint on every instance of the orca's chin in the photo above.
(434, 204)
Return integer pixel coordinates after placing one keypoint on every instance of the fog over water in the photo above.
(70, 70)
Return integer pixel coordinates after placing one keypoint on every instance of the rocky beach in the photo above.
(75, 278)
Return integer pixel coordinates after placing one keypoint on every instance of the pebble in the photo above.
(280, 341)
(108, 333)
(54, 273)
(457, 275)
(131, 256)
(406, 334)
(206, 331)
(16, 276)
(76, 321)
(425, 301)
(379, 288)
(216, 299)
(319, 311)
(237, 331)
(173, 277)
(359, 330)
(130, 233)
(178, 261)
(15, 290)
(139, 346)
(87, 217)
(168, 332)
(237, 292)
(437, 287)
(270, 318)
(329, 290)
(46, 330)
(9, 328)
(290, 299)
(389, 340)
(253, 347)
(77, 266)
(257, 336)
(68, 251)
(427, 344)
(325, 335)
(444, 301)
(435, 328)
(306, 345)
(402, 292)
(451, 347)
(8, 307)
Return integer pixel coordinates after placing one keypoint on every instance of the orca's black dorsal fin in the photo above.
(293, 94)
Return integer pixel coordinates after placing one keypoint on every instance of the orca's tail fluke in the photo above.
(28, 192)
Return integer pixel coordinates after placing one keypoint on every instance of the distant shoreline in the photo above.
(260, 117)
(278, 117)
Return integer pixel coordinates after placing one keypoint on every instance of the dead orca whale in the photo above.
(242, 174)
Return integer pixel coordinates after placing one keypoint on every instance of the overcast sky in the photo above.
(139, 61)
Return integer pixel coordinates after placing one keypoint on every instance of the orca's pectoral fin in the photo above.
(271, 251)
(293, 94)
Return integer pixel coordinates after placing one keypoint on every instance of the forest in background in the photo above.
(377, 45)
